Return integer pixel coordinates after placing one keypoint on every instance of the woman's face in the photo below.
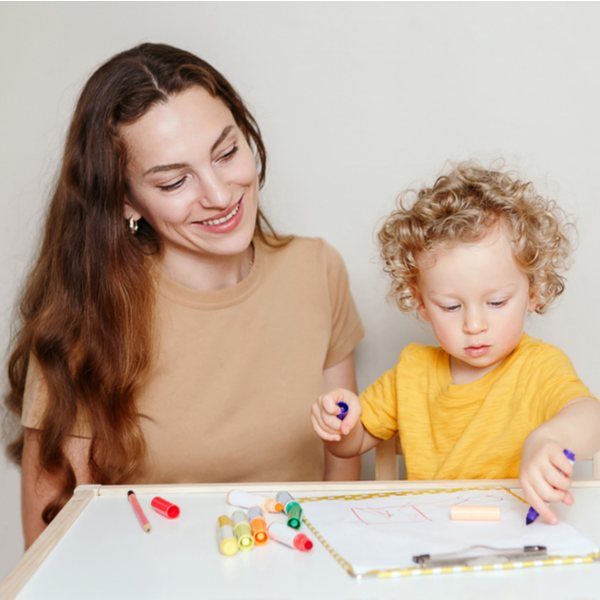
(192, 175)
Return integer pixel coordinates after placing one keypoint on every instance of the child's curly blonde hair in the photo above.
(462, 206)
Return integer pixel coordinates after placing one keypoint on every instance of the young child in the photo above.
(473, 255)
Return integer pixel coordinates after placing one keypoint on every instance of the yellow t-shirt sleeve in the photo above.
(347, 329)
(554, 383)
(380, 407)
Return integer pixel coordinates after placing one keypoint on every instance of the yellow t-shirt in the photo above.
(471, 431)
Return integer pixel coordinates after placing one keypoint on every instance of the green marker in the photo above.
(291, 508)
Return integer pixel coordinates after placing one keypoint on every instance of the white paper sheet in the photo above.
(380, 532)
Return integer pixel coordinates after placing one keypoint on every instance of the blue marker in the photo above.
(343, 411)
(532, 515)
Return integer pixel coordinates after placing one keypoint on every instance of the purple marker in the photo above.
(343, 411)
(532, 515)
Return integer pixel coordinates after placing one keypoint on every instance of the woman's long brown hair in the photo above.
(86, 310)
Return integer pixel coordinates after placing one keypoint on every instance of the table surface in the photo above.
(99, 550)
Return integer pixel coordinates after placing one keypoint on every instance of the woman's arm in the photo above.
(341, 375)
(38, 487)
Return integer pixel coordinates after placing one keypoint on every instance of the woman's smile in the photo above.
(224, 222)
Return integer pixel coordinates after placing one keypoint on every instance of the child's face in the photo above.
(476, 299)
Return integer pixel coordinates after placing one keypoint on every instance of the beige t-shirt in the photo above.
(238, 370)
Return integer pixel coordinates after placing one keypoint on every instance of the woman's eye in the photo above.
(172, 186)
(229, 155)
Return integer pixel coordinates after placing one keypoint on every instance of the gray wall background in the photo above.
(356, 101)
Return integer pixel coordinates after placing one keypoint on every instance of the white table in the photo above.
(96, 548)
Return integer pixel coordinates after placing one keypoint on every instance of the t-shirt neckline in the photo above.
(214, 300)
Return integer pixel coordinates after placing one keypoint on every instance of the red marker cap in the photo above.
(164, 508)
(301, 542)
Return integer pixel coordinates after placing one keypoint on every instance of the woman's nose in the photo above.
(214, 192)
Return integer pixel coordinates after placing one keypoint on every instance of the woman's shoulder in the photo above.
(304, 250)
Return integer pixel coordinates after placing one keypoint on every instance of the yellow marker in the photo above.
(258, 526)
(242, 530)
(227, 540)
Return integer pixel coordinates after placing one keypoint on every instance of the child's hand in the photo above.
(325, 410)
(545, 475)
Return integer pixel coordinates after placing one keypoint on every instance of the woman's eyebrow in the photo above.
(174, 166)
(223, 135)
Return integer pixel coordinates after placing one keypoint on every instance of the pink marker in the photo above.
(289, 537)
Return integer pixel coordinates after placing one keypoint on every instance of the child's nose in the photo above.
(475, 322)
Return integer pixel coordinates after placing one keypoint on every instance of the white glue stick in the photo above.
(248, 500)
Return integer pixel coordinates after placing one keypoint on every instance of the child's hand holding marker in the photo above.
(335, 414)
(545, 476)
(335, 417)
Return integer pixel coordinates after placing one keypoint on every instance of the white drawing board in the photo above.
(374, 534)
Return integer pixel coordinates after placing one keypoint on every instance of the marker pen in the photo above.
(138, 511)
(532, 515)
(287, 536)
(227, 540)
(343, 411)
(248, 500)
(258, 526)
(242, 530)
(291, 508)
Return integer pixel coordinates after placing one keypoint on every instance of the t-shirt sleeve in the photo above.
(555, 384)
(347, 329)
(35, 403)
(35, 397)
(380, 406)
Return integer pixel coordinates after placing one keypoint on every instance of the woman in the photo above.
(168, 335)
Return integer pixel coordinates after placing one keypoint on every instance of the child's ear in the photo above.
(534, 300)
(420, 304)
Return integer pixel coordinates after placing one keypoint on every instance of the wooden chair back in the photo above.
(387, 452)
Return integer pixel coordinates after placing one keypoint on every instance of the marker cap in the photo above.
(227, 540)
(294, 516)
(570, 456)
(165, 508)
(343, 411)
(242, 530)
(301, 542)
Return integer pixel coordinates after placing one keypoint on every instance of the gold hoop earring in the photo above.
(133, 226)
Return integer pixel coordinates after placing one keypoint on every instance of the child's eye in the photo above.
(172, 186)
(452, 308)
(498, 303)
(229, 155)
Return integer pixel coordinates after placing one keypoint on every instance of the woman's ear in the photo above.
(129, 212)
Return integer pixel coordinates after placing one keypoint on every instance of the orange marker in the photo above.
(138, 511)
(258, 526)
(460, 512)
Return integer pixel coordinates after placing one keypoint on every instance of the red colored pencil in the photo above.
(138, 511)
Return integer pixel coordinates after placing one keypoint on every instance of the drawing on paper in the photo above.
(390, 514)
(422, 510)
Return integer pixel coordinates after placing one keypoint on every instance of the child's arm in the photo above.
(545, 471)
(346, 438)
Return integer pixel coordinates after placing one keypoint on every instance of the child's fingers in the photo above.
(324, 435)
(329, 401)
(327, 426)
(351, 419)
